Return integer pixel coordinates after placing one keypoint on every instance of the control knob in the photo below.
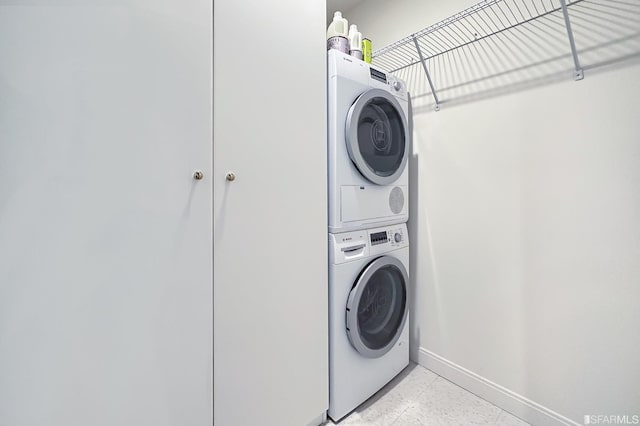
(397, 85)
(397, 237)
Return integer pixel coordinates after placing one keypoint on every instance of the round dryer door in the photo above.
(377, 307)
(376, 135)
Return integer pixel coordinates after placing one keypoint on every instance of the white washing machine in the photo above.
(368, 313)
(368, 147)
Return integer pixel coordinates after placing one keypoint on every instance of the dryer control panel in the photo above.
(347, 67)
(397, 86)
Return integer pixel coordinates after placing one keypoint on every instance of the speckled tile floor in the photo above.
(420, 397)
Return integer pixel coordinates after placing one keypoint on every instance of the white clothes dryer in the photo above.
(368, 145)
(368, 313)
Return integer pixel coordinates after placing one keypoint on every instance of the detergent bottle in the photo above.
(355, 42)
(337, 34)
(366, 50)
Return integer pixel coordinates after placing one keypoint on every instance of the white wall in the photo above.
(526, 239)
(105, 238)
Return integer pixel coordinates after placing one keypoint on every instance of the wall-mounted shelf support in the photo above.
(502, 46)
(426, 72)
(578, 73)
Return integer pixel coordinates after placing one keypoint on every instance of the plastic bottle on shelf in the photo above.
(337, 33)
(366, 50)
(355, 42)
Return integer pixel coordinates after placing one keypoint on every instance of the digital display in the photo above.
(379, 237)
(378, 75)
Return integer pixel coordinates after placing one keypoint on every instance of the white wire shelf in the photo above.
(499, 46)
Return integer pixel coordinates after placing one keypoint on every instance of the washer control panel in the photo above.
(388, 238)
(355, 245)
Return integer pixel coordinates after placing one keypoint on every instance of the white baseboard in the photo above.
(512, 402)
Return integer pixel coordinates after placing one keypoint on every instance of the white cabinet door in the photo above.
(105, 237)
(270, 223)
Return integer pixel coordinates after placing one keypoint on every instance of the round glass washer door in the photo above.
(377, 307)
(376, 135)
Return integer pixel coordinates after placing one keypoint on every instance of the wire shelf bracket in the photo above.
(578, 73)
(426, 72)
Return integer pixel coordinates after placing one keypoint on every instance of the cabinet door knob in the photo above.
(231, 176)
(198, 175)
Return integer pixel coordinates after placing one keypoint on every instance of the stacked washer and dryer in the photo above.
(368, 148)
